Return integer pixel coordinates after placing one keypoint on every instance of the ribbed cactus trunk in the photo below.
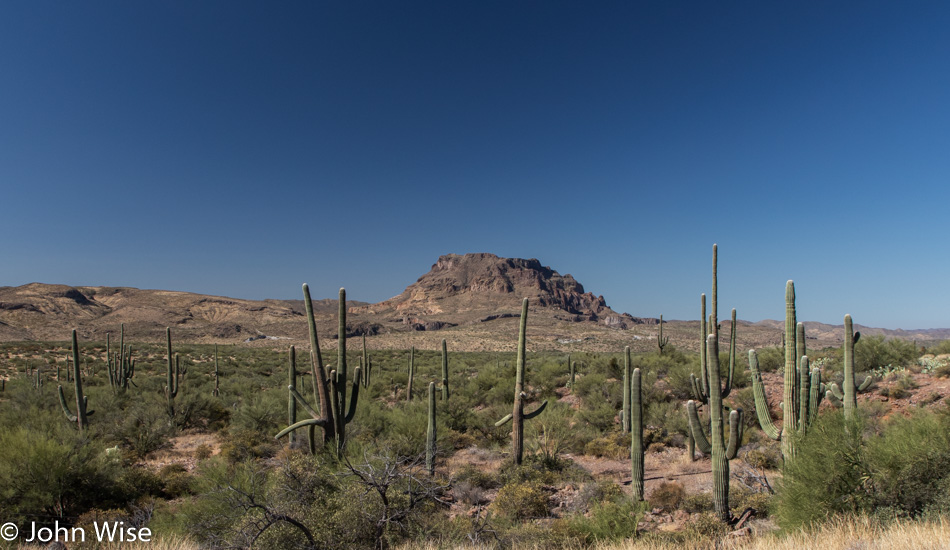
(517, 422)
(321, 386)
(790, 394)
(636, 434)
(850, 395)
(445, 373)
(412, 372)
(627, 382)
(81, 418)
(518, 416)
(430, 431)
(215, 391)
(720, 465)
(292, 386)
(171, 375)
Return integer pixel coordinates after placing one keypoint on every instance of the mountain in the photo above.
(471, 300)
(481, 287)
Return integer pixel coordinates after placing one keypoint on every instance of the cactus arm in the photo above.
(308, 422)
(832, 398)
(735, 433)
(835, 392)
(697, 388)
(504, 420)
(761, 401)
(816, 389)
(804, 392)
(696, 428)
(732, 356)
(864, 385)
(303, 402)
(354, 396)
(536, 412)
(627, 382)
(62, 401)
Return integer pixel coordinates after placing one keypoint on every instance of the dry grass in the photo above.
(848, 534)
(157, 543)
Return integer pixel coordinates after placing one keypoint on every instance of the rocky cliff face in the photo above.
(473, 287)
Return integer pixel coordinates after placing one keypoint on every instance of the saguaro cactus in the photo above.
(121, 366)
(330, 390)
(81, 418)
(430, 431)
(625, 412)
(292, 388)
(802, 390)
(636, 433)
(412, 372)
(849, 397)
(721, 453)
(518, 416)
(700, 385)
(215, 391)
(365, 364)
(445, 373)
(661, 342)
(171, 374)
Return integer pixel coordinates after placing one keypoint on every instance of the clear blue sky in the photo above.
(242, 148)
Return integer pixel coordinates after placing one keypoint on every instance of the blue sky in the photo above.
(242, 148)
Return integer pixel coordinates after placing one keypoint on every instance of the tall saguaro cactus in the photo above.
(412, 372)
(661, 342)
(329, 391)
(636, 432)
(215, 391)
(851, 387)
(120, 365)
(430, 431)
(518, 416)
(720, 451)
(627, 382)
(700, 385)
(171, 374)
(81, 418)
(445, 373)
(802, 390)
(291, 387)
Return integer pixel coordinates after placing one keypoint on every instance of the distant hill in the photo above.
(471, 300)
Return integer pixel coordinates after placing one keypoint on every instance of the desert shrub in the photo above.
(668, 496)
(872, 352)
(770, 359)
(707, 526)
(615, 445)
(242, 444)
(670, 415)
(742, 497)
(762, 457)
(203, 451)
(176, 480)
(142, 429)
(697, 502)
(476, 478)
(613, 519)
(521, 501)
(598, 414)
(910, 461)
(828, 473)
(594, 492)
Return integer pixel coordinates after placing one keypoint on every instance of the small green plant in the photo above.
(521, 501)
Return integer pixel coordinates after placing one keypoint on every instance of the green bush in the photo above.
(521, 501)
(613, 519)
(874, 352)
